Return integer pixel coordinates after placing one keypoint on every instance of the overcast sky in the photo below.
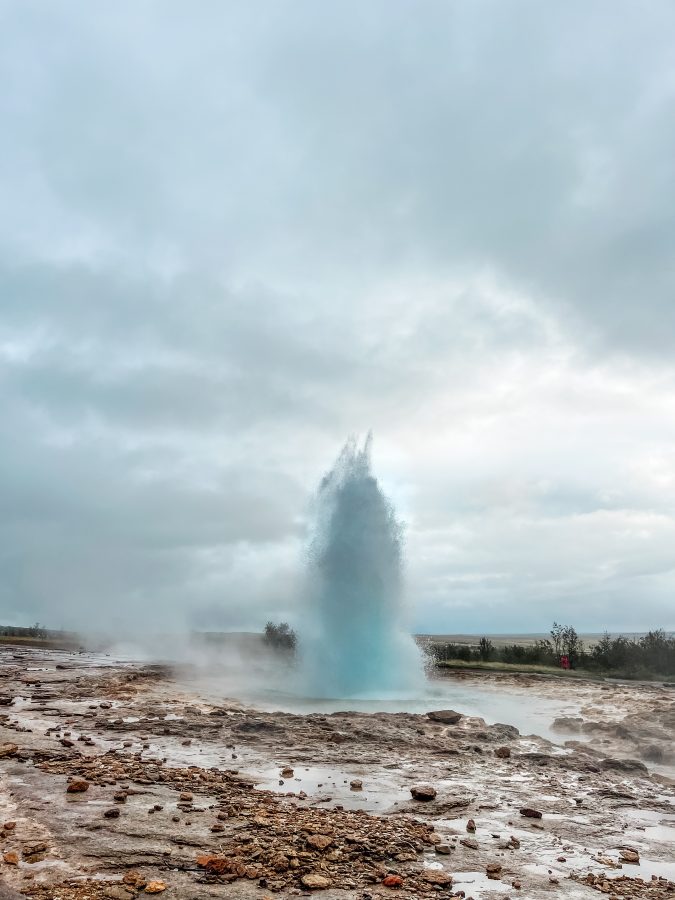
(233, 233)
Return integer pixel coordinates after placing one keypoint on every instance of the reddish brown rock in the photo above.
(319, 841)
(392, 881)
(436, 876)
(316, 882)
(77, 786)
(423, 792)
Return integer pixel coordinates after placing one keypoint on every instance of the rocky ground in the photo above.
(117, 781)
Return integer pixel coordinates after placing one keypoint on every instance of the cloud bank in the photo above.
(233, 234)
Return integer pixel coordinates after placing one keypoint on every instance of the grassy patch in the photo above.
(525, 669)
(44, 643)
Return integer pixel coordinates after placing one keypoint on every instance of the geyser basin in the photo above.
(353, 642)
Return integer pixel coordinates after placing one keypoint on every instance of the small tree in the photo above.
(557, 639)
(486, 649)
(571, 644)
(280, 637)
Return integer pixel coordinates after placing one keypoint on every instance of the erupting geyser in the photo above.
(355, 644)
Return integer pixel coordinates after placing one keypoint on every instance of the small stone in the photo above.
(435, 876)
(287, 772)
(492, 870)
(316, 882)
(503, 752)
(155, 887)
(356, 784)
(134, 878)
(530, 813)
(34, 852)
(423, 792)
(118, 892)
(319, 841)
(516, 885)
(392, 881)
(280, 862)
(185, 797)
(445, 716)
(113, 813)
(9, 826)
(77, 786)
(470, 843)
(11, 858)
(471, 825)
(629, 855)
(443, 849)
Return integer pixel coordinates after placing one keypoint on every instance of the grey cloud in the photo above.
(233, 233)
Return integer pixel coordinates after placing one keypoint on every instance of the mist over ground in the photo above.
(234, 234)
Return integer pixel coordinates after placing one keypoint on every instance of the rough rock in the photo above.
(445, 716)
(423, 792)
(77, 786)
(568, 724)
(530, 813)
(435, 876)
(624, 765)
(319, 841)
(316, 882)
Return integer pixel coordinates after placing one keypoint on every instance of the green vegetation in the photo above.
(281, 637)
(650, 657)
(39, 636)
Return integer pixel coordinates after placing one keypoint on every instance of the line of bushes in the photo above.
(651, 654)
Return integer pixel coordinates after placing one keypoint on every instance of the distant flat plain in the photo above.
(501, 640)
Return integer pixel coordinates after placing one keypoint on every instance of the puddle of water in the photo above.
(318, 782)
(530, 712)
(652, 825)
(477, 883)
(646, 868)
